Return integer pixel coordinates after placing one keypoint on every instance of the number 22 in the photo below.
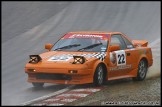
(121, 59)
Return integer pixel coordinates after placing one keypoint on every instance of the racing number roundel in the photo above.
(121, 58)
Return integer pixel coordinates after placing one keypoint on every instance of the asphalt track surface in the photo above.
(27, 26)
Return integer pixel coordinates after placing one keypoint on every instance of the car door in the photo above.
(120, 61)
(132, 56)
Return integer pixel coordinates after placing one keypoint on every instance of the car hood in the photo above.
(67, 57)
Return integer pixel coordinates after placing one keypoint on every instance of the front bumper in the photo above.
(59, 76)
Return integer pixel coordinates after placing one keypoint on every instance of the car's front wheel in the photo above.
(99, 76)
(142, 70)
(38, 85)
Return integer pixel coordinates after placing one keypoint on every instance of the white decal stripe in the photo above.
(66, 57)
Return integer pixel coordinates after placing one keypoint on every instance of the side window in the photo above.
(116, 39)
(128, 43)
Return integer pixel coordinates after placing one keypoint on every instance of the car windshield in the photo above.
(81, 44)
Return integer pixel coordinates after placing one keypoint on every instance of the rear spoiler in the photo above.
(141, 43)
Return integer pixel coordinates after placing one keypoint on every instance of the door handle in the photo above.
(128, 54)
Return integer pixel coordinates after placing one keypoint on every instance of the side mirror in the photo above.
(114, 48)
(48, 46)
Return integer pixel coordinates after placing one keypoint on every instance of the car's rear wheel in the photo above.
(98, 79)
(38, 85)
(142, 70)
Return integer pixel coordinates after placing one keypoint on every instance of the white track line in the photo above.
(68, 100)
(75, 95)
(47, 96)
(87, 90)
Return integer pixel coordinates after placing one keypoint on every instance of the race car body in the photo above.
(90, 57)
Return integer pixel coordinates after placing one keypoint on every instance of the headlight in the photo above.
(79, 59)
(34, 59)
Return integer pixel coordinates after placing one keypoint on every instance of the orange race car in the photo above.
(90, 57)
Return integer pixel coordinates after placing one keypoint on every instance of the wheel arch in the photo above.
(143, 58)
(105, 71)
(138, 78)
(104, 67)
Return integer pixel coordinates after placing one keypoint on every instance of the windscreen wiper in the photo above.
(68, 46)
(90, 46)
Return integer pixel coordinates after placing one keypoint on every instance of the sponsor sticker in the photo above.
(120, 67)
(60, 58)
(95, 36)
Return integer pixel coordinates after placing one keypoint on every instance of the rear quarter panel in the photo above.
(145, 52)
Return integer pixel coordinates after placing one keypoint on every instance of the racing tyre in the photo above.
(142, 70)
(38, 85)
(98, 79)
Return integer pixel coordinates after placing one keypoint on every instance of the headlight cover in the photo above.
(79, 60)
(34, 59)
